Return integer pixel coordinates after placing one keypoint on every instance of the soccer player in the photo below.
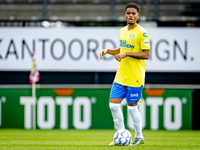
(129, 80)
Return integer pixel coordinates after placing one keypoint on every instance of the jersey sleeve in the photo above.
(144, 40)
(120, 36)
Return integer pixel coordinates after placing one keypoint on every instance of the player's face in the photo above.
(131, 15)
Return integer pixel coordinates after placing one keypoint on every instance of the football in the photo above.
(122, 137)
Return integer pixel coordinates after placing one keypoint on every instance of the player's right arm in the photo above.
(109, 51)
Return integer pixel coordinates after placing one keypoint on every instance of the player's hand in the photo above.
(120, 56)
(102, 53)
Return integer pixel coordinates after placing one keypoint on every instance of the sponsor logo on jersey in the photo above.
(145, 34)
(123, 44)
(146, 42)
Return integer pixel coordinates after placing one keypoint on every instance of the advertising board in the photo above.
(77, 49)
(83, 109)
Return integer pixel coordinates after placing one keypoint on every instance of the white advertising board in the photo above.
(78, 48)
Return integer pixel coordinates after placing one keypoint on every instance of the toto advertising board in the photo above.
(83, 109)
(77, 49)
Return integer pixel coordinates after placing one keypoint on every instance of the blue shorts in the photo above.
(132, 94)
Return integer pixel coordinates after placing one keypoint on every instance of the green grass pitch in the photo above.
(16, 139)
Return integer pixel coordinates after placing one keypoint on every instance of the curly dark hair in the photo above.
(133, 5)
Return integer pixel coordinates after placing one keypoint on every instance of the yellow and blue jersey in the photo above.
(131, 71)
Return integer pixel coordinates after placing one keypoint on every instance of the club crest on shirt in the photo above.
(131, 37)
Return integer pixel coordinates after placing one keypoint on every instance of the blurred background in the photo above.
(97, 13)
(159, 16)
(156, 13)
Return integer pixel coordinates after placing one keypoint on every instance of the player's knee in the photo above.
(116, 100)
(114, 107)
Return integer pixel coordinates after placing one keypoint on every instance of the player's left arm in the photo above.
(145, 54)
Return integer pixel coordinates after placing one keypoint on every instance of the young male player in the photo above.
(129, 80)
